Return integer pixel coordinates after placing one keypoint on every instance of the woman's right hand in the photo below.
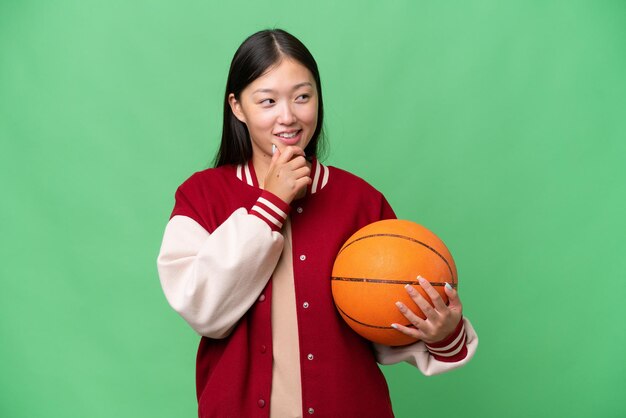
(288, 174)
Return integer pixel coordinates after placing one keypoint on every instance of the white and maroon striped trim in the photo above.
(271, 209)
(319, 174)
(239, 172)
(452, 348)
(245, 173)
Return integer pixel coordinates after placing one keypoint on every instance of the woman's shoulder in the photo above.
(208, 193)
(352, 191)
(209, 177)
(347, 179)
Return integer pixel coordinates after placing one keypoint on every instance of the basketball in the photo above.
(372, 268)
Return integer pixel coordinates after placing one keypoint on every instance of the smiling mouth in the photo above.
(288, 135)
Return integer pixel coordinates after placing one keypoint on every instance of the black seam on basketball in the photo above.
(406, 238)
(368, 325)
(385, 281)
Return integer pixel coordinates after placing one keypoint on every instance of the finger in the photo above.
(277, 146)
(302, 172)
(433, 294)
(453, 296)
(288, 153)
(275, 155)
(303, 182)
(297, 150)
(421, 302)
(296, 162)
(410, 315)
(410, 331)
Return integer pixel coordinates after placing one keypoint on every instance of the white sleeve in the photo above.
(212, 280)
(419, 356)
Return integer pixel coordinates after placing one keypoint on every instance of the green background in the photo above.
(499, 125)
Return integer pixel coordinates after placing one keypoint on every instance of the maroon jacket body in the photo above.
(340, 376)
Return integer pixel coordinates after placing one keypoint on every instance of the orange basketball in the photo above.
(375, 264)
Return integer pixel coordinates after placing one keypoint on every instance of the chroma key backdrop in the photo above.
(500, 126)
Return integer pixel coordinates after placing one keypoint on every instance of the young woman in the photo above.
(247, 256)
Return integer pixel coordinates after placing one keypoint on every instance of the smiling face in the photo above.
(279, 107)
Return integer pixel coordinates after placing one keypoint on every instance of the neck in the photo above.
(261, 165)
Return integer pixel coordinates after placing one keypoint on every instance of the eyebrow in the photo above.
(296, 87)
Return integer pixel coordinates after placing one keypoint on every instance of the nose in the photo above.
(286, 115)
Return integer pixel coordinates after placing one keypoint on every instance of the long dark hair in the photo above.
(252, 59)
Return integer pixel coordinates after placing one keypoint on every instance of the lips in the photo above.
(289, 138)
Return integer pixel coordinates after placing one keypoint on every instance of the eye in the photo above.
(267, 102)
(303, 98)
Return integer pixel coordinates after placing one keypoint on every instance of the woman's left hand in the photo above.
(440, 320)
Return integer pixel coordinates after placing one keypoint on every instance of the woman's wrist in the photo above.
(271, 209)
(452, 348)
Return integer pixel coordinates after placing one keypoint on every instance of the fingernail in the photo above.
(394, 326)
(421, 279)
(448, 286)
(409, 288)
(400, 305)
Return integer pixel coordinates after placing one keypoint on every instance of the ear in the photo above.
(235, 106)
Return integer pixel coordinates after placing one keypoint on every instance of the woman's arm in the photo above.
(212, 280)
(464, 339)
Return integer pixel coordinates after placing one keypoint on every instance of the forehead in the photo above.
(284, 75)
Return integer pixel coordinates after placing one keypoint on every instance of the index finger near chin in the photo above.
(289, 153)
(298, 161)
(286, 154)
(296, 150)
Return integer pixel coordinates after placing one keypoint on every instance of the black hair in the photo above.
(254, 56)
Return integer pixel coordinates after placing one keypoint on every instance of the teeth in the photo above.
(286, 135)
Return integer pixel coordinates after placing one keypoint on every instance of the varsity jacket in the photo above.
(219, 250)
